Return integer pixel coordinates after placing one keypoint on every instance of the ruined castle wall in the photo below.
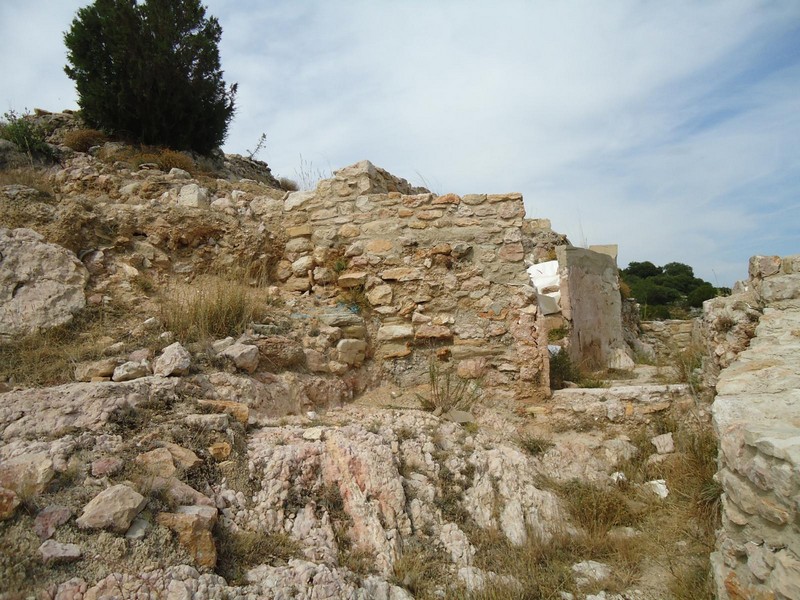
(756, 415)
(591, 302)
(439, 276)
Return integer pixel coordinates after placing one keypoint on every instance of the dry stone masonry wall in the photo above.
(437, 275)
(757, 418)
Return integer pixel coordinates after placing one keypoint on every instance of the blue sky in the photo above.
(669, 128)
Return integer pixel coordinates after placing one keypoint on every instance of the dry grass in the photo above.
(164, 158)
(541, 569)
(422, 570)
(212, 307)
(81, 140)
(49, 357)
(28, 177)
(535, 445)
(448, 391)
(239, 551)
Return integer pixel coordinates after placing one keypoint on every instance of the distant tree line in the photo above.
(667, 292)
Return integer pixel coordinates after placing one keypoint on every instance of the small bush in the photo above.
(170, 159)
(49, 357)
(81, 140)
(557, 334)
(534, 445)
(420, 570)
(562, 370)
(596, 509)
(27, 136)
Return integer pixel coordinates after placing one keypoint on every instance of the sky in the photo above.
(669, 128)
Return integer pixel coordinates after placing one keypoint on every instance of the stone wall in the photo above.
(434, 276)
(592, 304)
(756, 415)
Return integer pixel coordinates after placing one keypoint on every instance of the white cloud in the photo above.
(665, 127)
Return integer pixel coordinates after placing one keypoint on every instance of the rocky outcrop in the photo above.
(757, 418)
(41, 284)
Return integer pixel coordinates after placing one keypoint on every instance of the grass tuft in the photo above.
(448, 391)
(81, 140)
(239, 551)
(212, 307)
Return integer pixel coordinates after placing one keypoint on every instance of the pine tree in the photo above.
(150, 72)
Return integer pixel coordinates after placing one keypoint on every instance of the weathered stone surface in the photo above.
(9, 501)
(99, 368)
(49, 519)
(279, 352)
(175, 360)
(302, 266)
(220, 451)
(591, 301)
(433, 332)
(53, 551)
(351, 279)
(239, 411)
(472, 368)
(351, 351)
(113, 508)
(41, 284)
(182, 457)
(380, 295)
(401, 274)
(664, 443)
(193, 525)
(244, 356)
(395, 332)
(193, 196)
(590, 571)
(104, 467)
(27, 475)
(130, 370)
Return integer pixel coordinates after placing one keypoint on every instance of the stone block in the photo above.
(351, 351)
(193, 196)
(395, 332)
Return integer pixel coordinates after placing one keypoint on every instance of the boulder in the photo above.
(27, 475)
(279, 352)
(351, 351)
(97, 369)
(174, 360)
(193, 524)
(53, 551)
(41, 284)
(49, 519)
(131, 370)
(193, 196)
(244, 356)
(113, 508)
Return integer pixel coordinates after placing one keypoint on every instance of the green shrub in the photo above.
(28, 137)
(149, 71)
(562, 370)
